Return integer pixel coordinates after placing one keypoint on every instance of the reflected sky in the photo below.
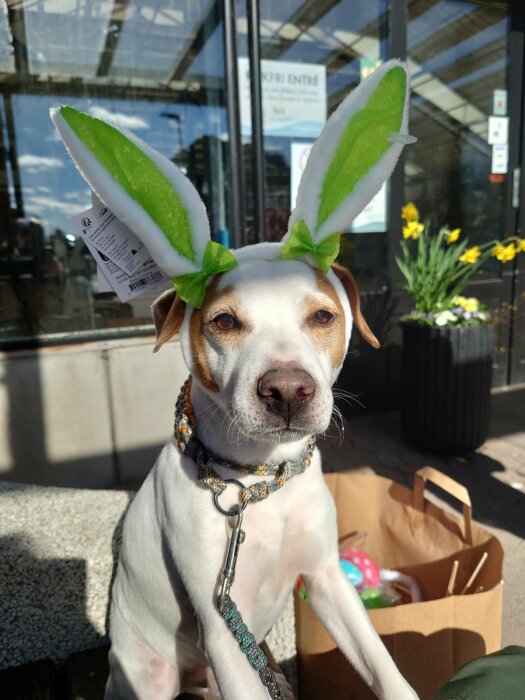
(53, 190)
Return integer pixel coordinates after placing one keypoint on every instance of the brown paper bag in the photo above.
(429, 640)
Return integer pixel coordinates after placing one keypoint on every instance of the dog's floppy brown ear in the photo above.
(348, 282)
(168, 315)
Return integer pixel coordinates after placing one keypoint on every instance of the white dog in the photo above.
(264, 351)
(264, 333)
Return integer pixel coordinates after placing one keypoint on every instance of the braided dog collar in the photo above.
(190, 445)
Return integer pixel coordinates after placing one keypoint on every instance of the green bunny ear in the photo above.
(363, 142)
(144, 190)
(137, 174)
(354, 155)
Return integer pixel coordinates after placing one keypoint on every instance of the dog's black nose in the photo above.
(286, 391)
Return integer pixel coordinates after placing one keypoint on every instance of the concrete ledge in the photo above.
(58, 552)
(93, 415)
(58, 549)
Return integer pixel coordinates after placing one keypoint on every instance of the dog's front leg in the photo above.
(236, 678)
(338, 606)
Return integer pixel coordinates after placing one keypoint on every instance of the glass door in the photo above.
(466, 109)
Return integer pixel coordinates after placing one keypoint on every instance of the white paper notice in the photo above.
(373, 217)
(500, 159)
(499, 103)
(498, 130)
(299, 153)
(293, 96)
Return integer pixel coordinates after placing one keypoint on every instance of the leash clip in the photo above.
(228, 573)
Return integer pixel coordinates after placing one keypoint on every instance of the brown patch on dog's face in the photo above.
(325, 320)
(219, 321)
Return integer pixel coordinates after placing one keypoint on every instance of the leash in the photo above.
(190, 445)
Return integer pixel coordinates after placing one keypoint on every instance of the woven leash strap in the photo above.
(249, 647)
(184, 429)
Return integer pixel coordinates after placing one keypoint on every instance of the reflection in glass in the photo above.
(7, 61)
(457, 55)
(340, 42)
(155, 69)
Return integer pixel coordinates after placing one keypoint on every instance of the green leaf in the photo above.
(138, 176)
(363, 142)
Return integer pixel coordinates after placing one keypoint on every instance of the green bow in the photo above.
(301, 243)
(192, 287)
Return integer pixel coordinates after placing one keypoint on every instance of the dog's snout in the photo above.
(286, 391)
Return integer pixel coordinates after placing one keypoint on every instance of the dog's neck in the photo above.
(216, 430)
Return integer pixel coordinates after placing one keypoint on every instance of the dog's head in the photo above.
(268, 343)
(265, 329)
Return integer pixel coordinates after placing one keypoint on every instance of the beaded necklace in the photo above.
(188, 443)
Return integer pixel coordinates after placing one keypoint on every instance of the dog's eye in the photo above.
(323, 317)
(225, 322)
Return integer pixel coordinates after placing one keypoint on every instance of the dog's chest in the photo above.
(280, 543)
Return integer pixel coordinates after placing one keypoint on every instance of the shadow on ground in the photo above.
(376, 442)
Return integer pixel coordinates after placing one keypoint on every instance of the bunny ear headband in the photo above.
(355, 153)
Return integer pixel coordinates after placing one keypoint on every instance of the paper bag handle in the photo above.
(450, 486)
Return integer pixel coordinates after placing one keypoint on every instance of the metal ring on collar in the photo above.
(233, 511)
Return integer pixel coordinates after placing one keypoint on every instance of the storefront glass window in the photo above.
(156, 69)
(457, 172)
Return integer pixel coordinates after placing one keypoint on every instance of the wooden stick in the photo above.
(475, 572)
(452, 580)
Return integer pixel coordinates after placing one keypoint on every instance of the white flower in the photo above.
(444, 318)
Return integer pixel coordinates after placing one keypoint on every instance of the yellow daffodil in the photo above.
(410, 213)
(470, 255)
(452, 236)
(413, 229)
(498, 251)
(434, 265)
(504, 253)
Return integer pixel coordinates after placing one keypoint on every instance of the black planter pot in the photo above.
(446, 380)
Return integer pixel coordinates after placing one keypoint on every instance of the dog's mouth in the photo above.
(286, 433)
(278, 429)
